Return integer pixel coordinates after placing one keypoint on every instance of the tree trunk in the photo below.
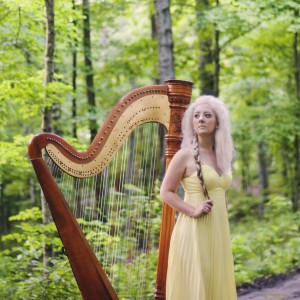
(163, 30)
(245, 175)
(89, 77)
(296, 193)
(47, 119)
(32, 191)
(74, 77)
(209, 52)
(4, 212)
(205, 42)
(216, 60)
(49, 60)
(165, 40)
(263, 176)
(285, 161)
(74, 88)
(245, 159)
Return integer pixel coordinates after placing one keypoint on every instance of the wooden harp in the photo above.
(164, 104)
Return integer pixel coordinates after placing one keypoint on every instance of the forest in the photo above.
(65, 64)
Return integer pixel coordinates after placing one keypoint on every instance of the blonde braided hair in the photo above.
(199, 166)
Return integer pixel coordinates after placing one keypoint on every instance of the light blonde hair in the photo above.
(223, 140)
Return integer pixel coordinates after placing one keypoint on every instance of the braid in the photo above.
(199, 167)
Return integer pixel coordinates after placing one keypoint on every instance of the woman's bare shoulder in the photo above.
(181, 158)
(184, 153)
(185, 158)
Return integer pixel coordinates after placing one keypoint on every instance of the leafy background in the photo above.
(257, 81)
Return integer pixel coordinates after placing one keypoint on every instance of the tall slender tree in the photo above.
(263, 175)
(89, 77)
(296, 192)
(205, 43)
(47, 117)
(49, 60)
(165, 40)
(216, 58)
(209, 50)
(163, 30)
(74, 79)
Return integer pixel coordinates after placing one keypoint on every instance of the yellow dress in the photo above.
(200, 265)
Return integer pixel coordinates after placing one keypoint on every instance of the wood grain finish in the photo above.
(179, 94)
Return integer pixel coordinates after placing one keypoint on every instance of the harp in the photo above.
(69, 177)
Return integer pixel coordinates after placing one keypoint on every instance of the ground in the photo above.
(279, 287)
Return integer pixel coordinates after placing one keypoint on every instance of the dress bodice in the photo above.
(212, 179)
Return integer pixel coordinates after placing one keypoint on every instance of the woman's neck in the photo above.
(206, 144)
(207, 152)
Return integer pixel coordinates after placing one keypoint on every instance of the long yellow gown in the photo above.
(200, 265)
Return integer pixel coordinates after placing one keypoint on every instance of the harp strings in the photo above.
(116, 211)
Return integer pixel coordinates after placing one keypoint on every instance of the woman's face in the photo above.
(204, 120)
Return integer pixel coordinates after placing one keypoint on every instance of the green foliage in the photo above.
(267, 246)
(256, 81)
(15, 175)
(136, 269)
(22, 275)
(260, 247)
(126, 241)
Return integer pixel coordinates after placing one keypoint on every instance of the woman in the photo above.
(200, 265)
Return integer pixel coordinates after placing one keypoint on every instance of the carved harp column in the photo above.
(179, 97)
(55, 160)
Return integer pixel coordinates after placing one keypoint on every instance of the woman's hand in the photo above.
(203, 209)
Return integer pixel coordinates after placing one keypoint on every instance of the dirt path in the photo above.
(283, 288)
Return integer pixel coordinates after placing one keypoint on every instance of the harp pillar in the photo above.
(179, 93)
